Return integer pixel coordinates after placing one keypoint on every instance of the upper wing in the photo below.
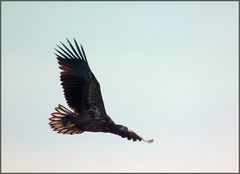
(80, 86)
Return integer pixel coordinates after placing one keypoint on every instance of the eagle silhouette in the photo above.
(83, 95)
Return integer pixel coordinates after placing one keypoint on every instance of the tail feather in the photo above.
(62, 121)
(62, 110)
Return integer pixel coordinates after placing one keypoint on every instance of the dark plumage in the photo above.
(83, 95)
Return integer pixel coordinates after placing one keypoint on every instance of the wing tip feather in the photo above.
(73, 54)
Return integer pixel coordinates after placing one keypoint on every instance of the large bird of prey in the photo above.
(83, 95)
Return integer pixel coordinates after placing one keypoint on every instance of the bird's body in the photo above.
(83, 95)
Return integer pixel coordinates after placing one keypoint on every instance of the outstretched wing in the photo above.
(80, 86)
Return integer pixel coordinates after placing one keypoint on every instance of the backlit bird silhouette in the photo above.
(83, 95)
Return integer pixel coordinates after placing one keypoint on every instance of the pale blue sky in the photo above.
(168, 70)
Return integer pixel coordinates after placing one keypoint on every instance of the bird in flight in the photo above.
(83, 95)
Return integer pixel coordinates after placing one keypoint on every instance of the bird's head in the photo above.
(122, 128)
(124, 132)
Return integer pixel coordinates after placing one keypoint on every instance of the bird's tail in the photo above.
(62, 121)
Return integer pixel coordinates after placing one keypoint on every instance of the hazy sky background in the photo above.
(168, 70)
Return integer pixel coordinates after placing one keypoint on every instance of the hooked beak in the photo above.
(147, 141)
